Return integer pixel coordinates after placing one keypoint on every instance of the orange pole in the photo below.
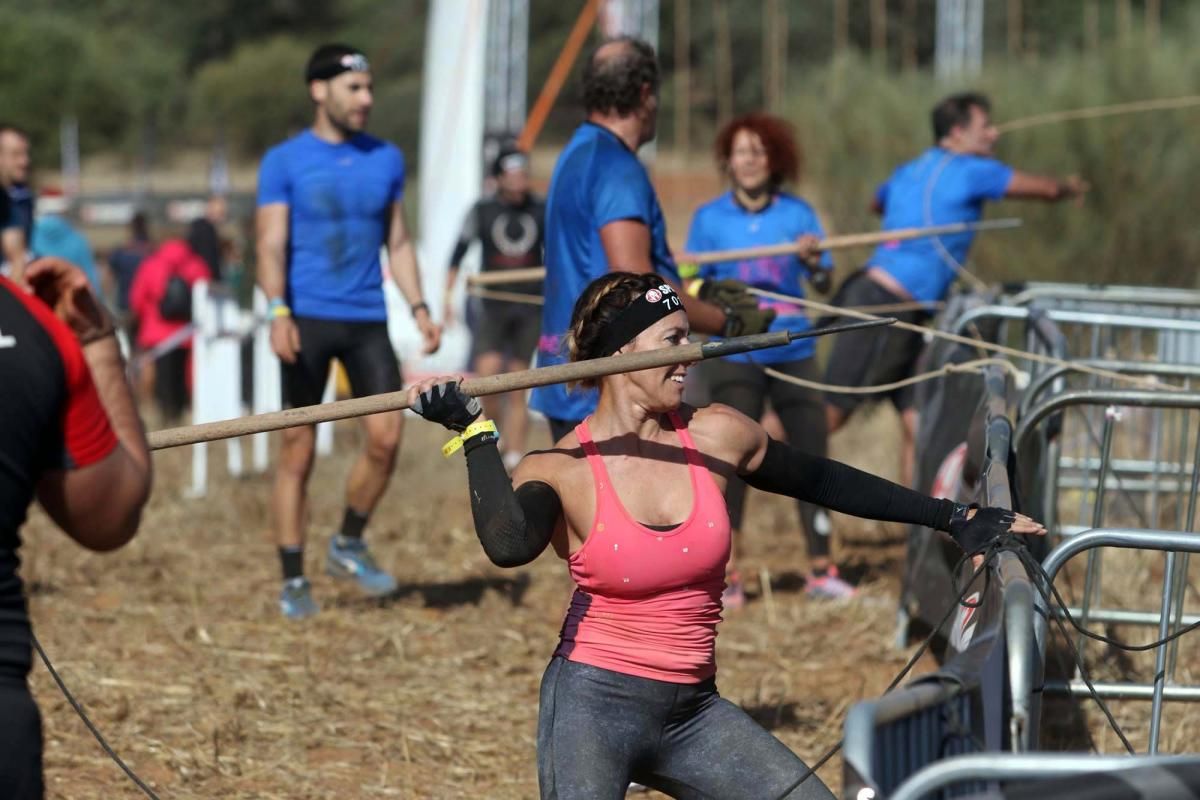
(558, 76)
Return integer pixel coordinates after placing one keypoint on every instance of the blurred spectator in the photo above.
(125, 260)
(160, 300)
(54, 235)
(15, 165)
(205, 242)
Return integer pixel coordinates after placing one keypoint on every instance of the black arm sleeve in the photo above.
(470, 231)
(514, 527)
(834, 485)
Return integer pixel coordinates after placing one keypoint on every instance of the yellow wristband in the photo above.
(688, 269)
(693, 288)
(280, 311)
(474, 429)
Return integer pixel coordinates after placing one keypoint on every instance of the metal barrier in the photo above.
(1068, 295)
(1169, 541)
(1007, 768)
(981, 697)
(1137, 336)
(915, 741)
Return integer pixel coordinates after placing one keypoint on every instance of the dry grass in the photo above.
(175, 646)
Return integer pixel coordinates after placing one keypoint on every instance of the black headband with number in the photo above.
(656, 303)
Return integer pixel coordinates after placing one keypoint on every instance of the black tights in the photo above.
(746, 387)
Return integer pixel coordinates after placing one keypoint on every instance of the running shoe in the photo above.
(734, 595)
(829, 586)
(295, 601)
(349, 558)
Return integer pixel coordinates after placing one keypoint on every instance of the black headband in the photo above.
(639, 315)
(325, 68)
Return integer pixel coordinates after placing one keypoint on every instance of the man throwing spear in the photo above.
(948, 183)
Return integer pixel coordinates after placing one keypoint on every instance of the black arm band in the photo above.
(514, 527)
(836, 486)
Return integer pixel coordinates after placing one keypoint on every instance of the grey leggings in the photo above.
(598, 730)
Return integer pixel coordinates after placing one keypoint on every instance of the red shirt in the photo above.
(150, 284)
(50, 419)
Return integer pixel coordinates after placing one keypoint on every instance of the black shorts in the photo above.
(20, 741)
(872, 357)
(363, 348)
(511, 329)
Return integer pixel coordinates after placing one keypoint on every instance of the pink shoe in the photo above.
(829, 586)
(734, 596)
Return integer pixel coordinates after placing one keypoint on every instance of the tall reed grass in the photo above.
(1138, 225)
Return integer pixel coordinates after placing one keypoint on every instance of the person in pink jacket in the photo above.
(162, 309)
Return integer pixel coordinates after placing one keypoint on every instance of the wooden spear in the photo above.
(495, 384)
(766, 251)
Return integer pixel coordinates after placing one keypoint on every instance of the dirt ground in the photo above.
(175, 646)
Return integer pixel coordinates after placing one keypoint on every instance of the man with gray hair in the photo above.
(602, 214)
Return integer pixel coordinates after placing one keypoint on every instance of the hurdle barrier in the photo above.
(220, 327)
(973, 725)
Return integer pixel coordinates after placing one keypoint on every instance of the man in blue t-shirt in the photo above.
(17, 230)
(602, 214)
(948, 183)
(328, 199)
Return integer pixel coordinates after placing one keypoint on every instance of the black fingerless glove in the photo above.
(448, 405)
(976, 533)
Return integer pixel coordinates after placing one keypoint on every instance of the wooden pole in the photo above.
(723, 61)
(879, 26)
(558, 75)
(1091, 26)
(766, 251)
(908, 36)
(1014, 27)
(495, 384)
(1153, 15)
(683, 76)
(1124, 21)
(841, 26)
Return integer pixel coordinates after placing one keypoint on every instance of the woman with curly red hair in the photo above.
(760, 155)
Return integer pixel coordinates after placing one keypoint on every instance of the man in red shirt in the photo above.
(69, 435)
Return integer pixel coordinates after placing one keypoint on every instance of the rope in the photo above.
(1138, 106)
(977, 365)
(825, 308)
(90, 725)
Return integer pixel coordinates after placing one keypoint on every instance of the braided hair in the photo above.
(598, 306)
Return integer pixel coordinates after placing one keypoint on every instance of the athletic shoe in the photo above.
(829, 586)
(734, 595)
(295, 601)
(349, 558)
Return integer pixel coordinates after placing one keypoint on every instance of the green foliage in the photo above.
(1136, 225)
(256, 96)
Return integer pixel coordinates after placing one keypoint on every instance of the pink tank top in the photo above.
(647, 602)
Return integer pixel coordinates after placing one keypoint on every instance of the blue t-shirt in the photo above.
(723, 224)
(937, 188)
(597, 180)
(339, 199)
(54, 236)
(20, 213)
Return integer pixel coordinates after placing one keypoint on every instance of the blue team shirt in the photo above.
(723, 224)
(937, 188)
(597, 180)
(339, 199)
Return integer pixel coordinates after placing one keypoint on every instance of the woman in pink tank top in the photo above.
(633, 500)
